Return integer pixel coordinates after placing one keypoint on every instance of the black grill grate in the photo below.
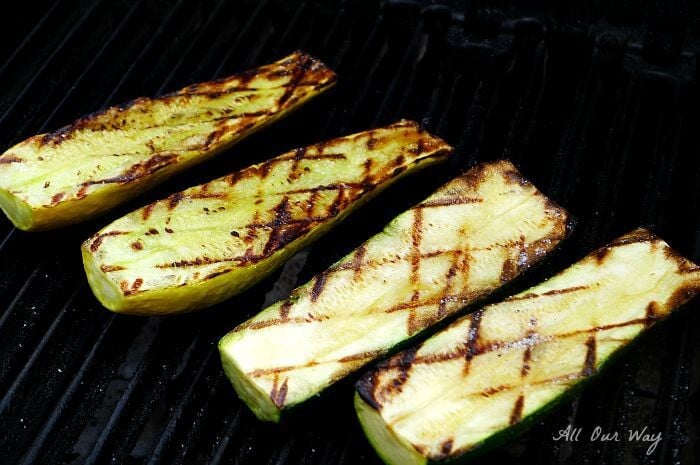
(603, 116)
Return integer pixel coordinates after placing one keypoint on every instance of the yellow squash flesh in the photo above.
(103, 159)
(471, 236)
(489, 371)
(203, 245)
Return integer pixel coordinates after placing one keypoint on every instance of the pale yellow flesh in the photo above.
(467, 239)
(107, 158)
(207, 243)
(437, 401)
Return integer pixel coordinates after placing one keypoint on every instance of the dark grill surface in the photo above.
(602, 115)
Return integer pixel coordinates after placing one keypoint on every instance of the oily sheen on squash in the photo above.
(492, 373)
(106, 158)
(470, 237)
(207, 243)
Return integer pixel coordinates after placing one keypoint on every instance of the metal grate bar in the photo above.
(6, 400)
(58, 48)
(32, 455)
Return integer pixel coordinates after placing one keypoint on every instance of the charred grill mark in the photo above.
(517, 414)
(97, 240)
(651, 313)
(277, 321)
(279, 394)
(10, 158)
(416, 233)
(318, 286)
(327, 187)
(174, 200)
(528, 296)
(152, 232)
(57, 198)
(513, 265)
(298, 156)
(436, 300)
(634, 237)
(360, 356)
(446, 447)
(284, 309)
(298, 74)
(456, 256)
(284, 230)
(215, 274)
(589, 363)
(147, 210)
(82, 192)
(140, 170)
(448, 201)
(683, 294)
(357, 260)
(403, 367)
(472, 341)
(137, 245)
(277, 370)
(527, 357)
(499, 345)
(111, 268)
(138, 282)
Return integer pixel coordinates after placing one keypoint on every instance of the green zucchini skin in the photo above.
(108, 157)
(392, 417)
(207, 243)
(473, 235)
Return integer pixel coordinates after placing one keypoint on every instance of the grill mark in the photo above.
(278, 395)
(147, 210)
(528, 296)
(416, 236)
(590, 360)
(284, 309)
(139, 170)
(435, 300)
(97, 241)
(482, 349)
(284, 230)
(652, 311)
(357, 260)
(136, 245)
(405, 362)
(328, 187)
(277, 370)
(513, 266)
(517, 414)
(10, 158)
(527, 357)
(138, 282)
(448, 281)
(448, 201)
(57, 198)
(360, 356)
(311, 204)
(111, 268)
(298, 156)
(472, 340)
(318, 286)
(298, 74)
(215, 274)
(446, 448)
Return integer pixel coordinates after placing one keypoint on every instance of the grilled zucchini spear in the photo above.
(207, 243)
(488, 375)
(108, 157)
(471, 236)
